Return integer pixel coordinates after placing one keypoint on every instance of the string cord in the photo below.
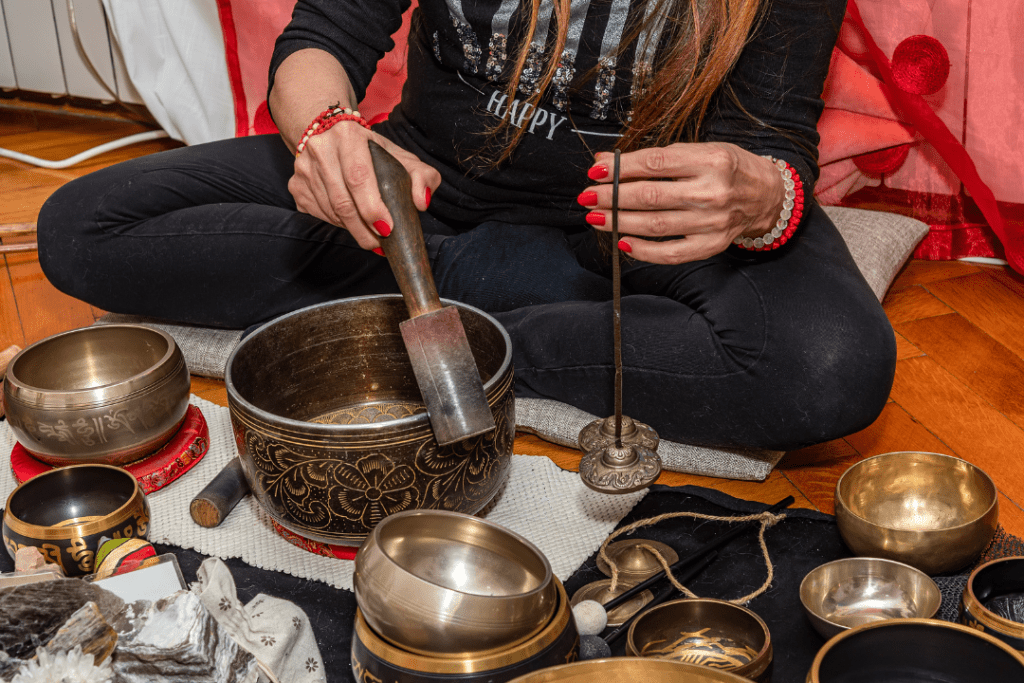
(766, 519)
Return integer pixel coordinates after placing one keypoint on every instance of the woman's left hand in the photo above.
(705, 193)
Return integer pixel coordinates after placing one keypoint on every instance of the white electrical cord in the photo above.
(88, 154)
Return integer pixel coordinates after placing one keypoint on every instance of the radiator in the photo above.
(38, 52)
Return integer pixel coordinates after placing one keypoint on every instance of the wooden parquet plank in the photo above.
(822, 452)
(11, 331)
(817, 482)
(961, 419)
(210, 389)
(986, 303)
(904, 349)
(918, 271)
(912, 303)
(51, 310)
(976, 359)
(1011, 516)
(895, 430)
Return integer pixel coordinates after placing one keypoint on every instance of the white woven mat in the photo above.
(542, 502)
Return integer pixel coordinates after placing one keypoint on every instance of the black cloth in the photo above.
(454, 93)
(798, 544)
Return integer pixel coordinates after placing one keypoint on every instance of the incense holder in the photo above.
(619, 464)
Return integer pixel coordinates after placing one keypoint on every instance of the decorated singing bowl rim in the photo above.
(83, 528)
(487, 660)
(752, 669)
(813, 672)
(845, 508)
(1001, 626)
(39, 398)
(404, 423)
(836, 627)
(599, 669)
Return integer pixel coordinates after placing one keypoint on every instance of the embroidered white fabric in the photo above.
(549, 506)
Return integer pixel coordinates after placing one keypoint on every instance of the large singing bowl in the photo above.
(331, 429)
(108, 394)
(931, 511)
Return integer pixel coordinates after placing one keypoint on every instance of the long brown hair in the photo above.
(705, 38)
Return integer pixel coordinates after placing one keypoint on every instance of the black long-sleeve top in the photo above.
(461, 54)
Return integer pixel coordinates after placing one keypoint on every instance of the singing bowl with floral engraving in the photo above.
(629, 669)
(852, 591)
(997, 579)
(905, 650)
(332, 432)
(931, 511)
(714, 634)
(108, 394)
(66, 511)
(374, 658)
(448, 584)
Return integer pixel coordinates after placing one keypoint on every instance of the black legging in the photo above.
(736, 351)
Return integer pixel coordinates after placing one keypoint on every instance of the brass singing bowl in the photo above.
(904, 650)
(105, 394)
(710, 633)
(629, 669)
(376, 659)
(66, 511)
(860, 590)
(447, 584)
(991, 580)
(331, 429)
(934, 512)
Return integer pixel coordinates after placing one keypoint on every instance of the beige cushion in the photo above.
(880, 244)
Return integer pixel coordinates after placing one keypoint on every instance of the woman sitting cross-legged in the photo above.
(746, 322)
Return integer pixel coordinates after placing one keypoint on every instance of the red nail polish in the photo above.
(624, 246)
(588, 198)
(597, 172)
(595, 218)
(428, 197)
(382, 228)
(378, 251)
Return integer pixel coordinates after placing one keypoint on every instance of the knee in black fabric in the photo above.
(61, 234)
(840, 385)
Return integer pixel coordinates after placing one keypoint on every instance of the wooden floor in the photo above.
(959, 327)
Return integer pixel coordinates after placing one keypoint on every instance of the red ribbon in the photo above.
(916, 111)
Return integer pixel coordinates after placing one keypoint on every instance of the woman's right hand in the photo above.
(334, 181)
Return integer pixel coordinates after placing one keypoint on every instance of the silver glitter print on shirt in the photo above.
(467, 37)
(497, 51)
(608, 59)
(567, 63)
(533, 67)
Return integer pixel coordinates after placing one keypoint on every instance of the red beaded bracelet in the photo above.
(792, 212)
(326, 120)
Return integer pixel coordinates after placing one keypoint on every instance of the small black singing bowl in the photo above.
(903, 650)
(65, 512)
(998, 581)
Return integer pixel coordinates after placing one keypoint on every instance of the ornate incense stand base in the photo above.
(622, 465)
(153, 472)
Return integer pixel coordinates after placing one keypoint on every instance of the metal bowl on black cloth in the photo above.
(331, 428)
(910, 650)
(993, 600)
